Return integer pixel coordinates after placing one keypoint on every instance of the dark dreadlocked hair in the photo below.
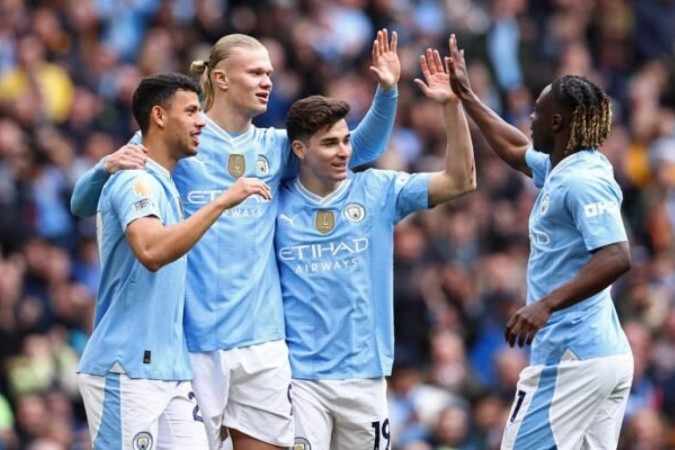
(591, 111)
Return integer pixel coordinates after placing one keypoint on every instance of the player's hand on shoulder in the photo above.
(244, 188)
(128, 157)
(436, 83)
(386, 65)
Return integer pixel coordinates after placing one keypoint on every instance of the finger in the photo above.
(424, 67)
(448, 64)
(422, 85)
(530, 337)
(394, 42)
(452, 42)
(376, 48)
(522, 336)
(437, 61)
(385, 40)
(430, 61)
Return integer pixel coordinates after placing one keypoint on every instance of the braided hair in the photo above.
(590, 108)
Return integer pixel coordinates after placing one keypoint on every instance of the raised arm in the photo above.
(509, 143)
(370, 137)
(84, 201)
(459, 174)
(156, 246)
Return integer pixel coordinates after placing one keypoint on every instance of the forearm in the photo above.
(508, 142)
(84, 201)
(164, 245)
(459, 159)
(459, 174)
(606, 265)
(370, 137)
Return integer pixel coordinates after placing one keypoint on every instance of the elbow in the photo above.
(625, 262)
(151, 262)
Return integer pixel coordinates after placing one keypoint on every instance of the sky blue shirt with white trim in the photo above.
(138, 323)
(577, 211)
(335, 257)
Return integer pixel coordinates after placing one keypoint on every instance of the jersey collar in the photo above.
(322, 201)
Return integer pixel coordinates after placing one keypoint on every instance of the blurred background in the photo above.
(68, 69)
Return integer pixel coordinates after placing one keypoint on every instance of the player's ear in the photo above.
(158, 116)
(220, 79)
(299, 149)
(557, 123)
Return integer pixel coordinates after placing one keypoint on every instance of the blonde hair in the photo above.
(220, 51)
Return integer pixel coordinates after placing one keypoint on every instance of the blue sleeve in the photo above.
(136, 194)
(84, 201)
(404, 193)
(370, 137)
(87, 191)
(540, 164)
(595, 206)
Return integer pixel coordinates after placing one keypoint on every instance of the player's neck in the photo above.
(229, 119)
(159, 152)
(317, 186)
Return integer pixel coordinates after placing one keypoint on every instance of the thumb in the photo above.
(376, 72)
(422, 86)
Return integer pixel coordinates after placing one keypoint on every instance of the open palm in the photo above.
(386, 65)
(436, 84)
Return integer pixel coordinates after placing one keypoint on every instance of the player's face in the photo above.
(249, 84)
(542, 137)
(328, 153)
(184, 123)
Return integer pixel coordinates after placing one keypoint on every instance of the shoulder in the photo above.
(138, 182)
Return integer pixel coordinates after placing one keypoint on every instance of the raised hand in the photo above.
(459, 77)
(130, 156)
(386, 65)
(436, 84)
(244, 188)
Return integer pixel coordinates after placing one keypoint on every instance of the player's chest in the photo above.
(346, 220)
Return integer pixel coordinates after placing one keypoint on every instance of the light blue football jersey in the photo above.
(139, 314)
(335, 258)
(233, 294)
(577, 211)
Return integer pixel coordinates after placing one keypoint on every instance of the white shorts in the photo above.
(341, 415)
(572, 405)
(139, 414)
(246, 389)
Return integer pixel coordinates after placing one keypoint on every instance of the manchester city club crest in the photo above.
(262, 167)
(302, 444)
(325, 221)
(355, 212)
(544, 205)
(142, 441)
(236, 165)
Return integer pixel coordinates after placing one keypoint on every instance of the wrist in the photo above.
(104, 166)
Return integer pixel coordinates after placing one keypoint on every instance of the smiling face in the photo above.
(325, 155)
(184, 123)
(247, 81)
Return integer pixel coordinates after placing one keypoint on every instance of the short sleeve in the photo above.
(595, 206)
(540, 165)
(405, 193)
(136, 194)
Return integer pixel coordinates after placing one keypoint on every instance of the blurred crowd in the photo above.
(68, 69)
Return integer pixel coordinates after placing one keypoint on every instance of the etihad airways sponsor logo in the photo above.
(327, 250)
